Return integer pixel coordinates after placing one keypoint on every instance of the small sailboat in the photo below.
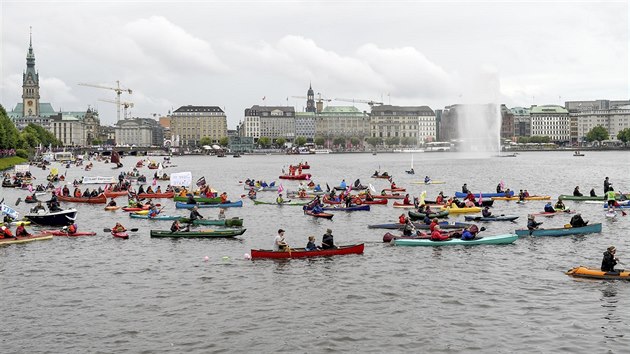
(411, 172)
(116, 159)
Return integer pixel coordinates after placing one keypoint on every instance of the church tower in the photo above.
(310, 100)
(30, 84)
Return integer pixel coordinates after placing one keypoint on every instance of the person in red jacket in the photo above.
(20, 231)
(402, 218)
(433, 225)
(5, 232)
(436, 235)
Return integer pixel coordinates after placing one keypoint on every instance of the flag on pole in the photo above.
(154, 181)
(264, 98)
(30, 188)
(201, 181)
(480, 200)
(280, 188)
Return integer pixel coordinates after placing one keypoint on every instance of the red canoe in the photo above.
(378, 201)
(389, 196)
(120, 235)
(300, 252)
(320, 215)
(100, 199)
(112, 194)
(157, 195)
(302, 177)
(395, 189)
(402, 205)
(63, 233)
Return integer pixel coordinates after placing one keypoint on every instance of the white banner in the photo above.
(7, 210)
(22, 168)
(181, 179)
(99, 180)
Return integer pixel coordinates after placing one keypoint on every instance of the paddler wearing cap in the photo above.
(328, 241)
(194, 214)
(609, 261)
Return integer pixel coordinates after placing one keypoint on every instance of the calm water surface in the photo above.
(142, 295)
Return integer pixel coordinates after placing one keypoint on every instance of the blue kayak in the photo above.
(562, 231)
(180, 205)
(484, 195)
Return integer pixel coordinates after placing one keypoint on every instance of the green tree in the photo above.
(205, 141)
(96, 142)
(224, 141)
(374, 141)
(624, 135)
(43, 136)
(264, 142)
(319, 141)
(523, 140)
(393, 140)
(540, 139)
(300, 141)
(598, 133)
(9, 135)
(408, 141)
(280, 142)
(355, 141)
(339, 141)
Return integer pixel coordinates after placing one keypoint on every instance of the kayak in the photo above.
(122, 235)
(35, 237)
(112, 207)
(112, 194)
(585, 272)
(198, 199)
(487, 240)
(483, 195)
(146, 207)
(100, 199)
(586, 197)
(233, 222)
(300, 177)
(388, 237)
(301, 252)
(354, 188)
(430, 182)
(350, 208)
(491, 218)
(531, 197)
(156, 195)
(238, 204)
(414, 215)
(399, 226)
(395, 189)
(198, 234)
(562, 231)
(457, 210)
(18, 222)
(319, 215)
(401, 205)
(286, 202)
(262, 189)
(64, 233)
(389, 196)
(550, 214)
(381, 176)
(371, 202)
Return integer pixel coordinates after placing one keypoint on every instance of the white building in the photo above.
(138, 132)
(410, 123)
(270, 121)
(552, 121)
(614, 120)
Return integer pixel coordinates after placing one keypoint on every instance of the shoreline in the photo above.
(8, 162)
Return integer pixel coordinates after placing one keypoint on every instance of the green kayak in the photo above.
(487, 240)
(586, 197)
(221, 222)
(216, 200)
(198, 234)
(258, 202)
(414, 215)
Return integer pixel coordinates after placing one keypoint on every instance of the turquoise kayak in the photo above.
(180, 205)
(562, 231)
(487, 240)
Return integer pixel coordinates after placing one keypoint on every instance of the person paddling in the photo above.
(609, 261)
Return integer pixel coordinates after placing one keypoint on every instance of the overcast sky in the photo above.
(231, 54)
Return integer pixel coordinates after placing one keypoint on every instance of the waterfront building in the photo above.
(614, 120)
(305, 125)
(241, 143)
(507, 123)
(552, 121)
(522, 121)
(191, 123)
(76, 128)
(139, 132)
(410, 124)
(165, 122)
(270, 121)
(342, 121)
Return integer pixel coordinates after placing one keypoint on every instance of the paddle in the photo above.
(110, 230)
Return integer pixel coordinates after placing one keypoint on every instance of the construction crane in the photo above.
(125, 105)
(319, 101)
(353, 100)
(118, 90)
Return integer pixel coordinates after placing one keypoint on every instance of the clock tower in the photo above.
(30, 84)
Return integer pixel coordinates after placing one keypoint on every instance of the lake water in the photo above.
(104, 295)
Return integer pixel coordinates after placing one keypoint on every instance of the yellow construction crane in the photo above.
(118, 91)
(354, 100)
(124, 105)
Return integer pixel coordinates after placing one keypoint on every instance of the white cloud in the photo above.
(56, 91)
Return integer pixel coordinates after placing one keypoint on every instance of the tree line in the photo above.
(31, 137)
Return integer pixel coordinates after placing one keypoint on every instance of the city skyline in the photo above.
(233, 54)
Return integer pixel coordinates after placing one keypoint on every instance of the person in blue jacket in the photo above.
(467, 235)
(549, 208)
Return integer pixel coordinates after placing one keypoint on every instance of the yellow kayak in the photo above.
(531, 197)
(142, 212)
(585, 272)
(11, 241)
(18, 222)
(457, 210)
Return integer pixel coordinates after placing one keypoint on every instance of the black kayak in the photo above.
(491, 218)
